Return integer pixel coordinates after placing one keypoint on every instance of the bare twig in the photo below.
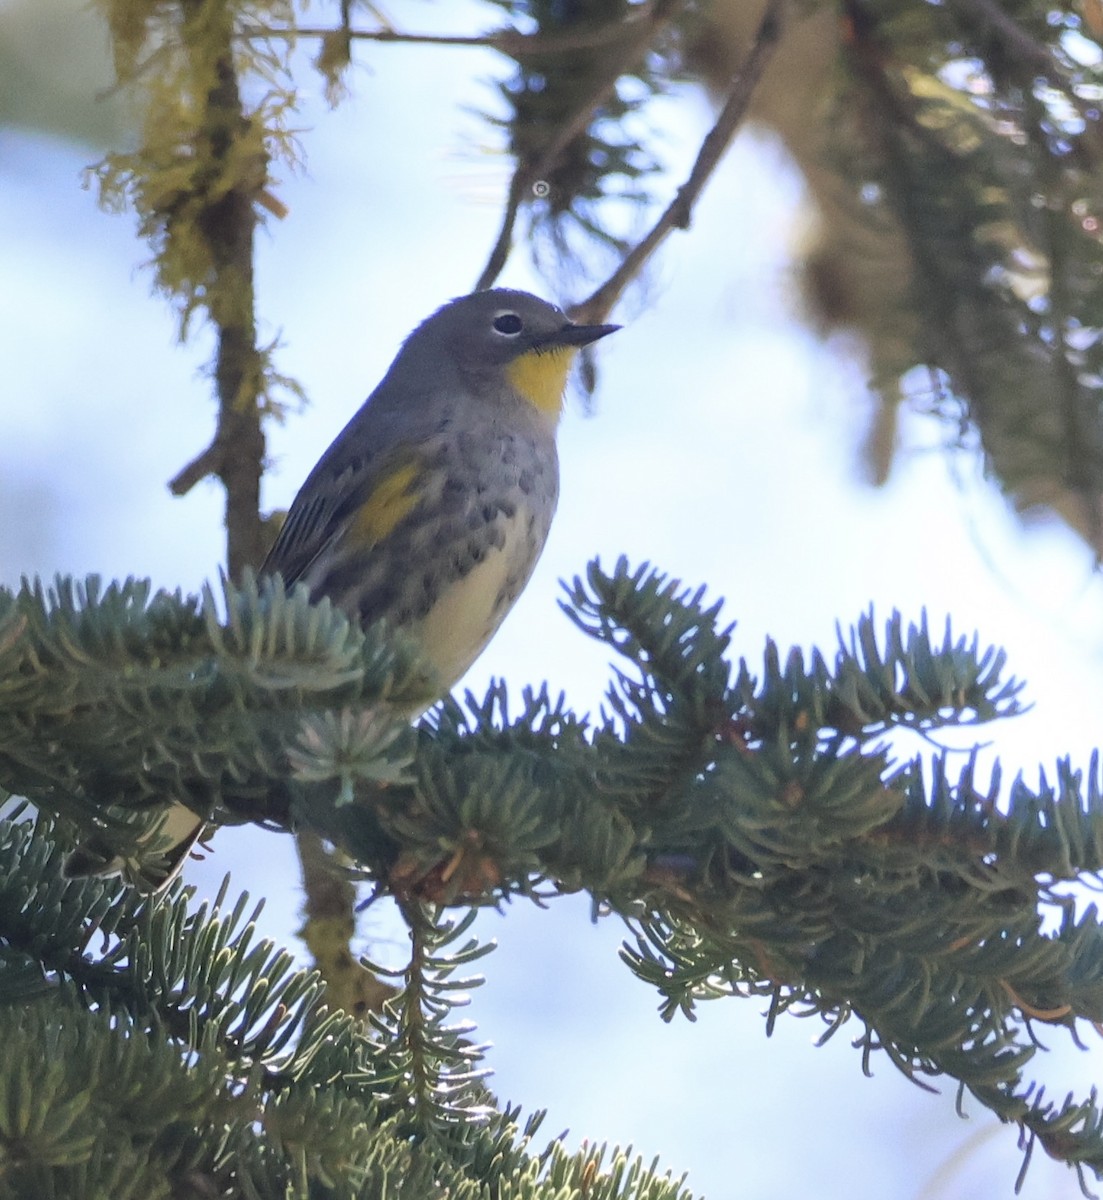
(1010, 32)
(679, 212)
(330, 926)
(197, 470)
(641, 32)
(503, 243)
(506, 41)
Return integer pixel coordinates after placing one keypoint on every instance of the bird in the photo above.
(430, 508)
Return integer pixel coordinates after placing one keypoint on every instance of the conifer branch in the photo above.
(436, 1071)
(754, 829)
(182, 1055)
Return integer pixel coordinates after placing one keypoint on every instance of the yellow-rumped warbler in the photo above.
(433, 504)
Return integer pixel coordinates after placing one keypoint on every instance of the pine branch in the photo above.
(181, 1056)
(118, 671)
(436, 1071)
(754, 829)
(198, 976)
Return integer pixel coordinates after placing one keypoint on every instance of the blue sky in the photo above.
(723, 448)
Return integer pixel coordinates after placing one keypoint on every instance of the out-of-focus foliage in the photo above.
(577, 126)
(954, 153)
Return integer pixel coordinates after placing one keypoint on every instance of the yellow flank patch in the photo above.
(541, 377)
(391, 500)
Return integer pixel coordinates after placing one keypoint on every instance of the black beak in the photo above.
(579, 335)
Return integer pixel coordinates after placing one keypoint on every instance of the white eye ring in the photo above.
(507, 323)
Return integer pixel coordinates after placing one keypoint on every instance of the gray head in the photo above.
(502, 336)
(493, 328)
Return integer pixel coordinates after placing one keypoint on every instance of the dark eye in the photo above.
(508, 323)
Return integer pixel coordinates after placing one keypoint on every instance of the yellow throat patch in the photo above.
(541, 377)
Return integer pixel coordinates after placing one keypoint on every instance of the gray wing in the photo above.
(335, 490)
(382, 534)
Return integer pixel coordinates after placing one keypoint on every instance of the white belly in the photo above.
(458, 627)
